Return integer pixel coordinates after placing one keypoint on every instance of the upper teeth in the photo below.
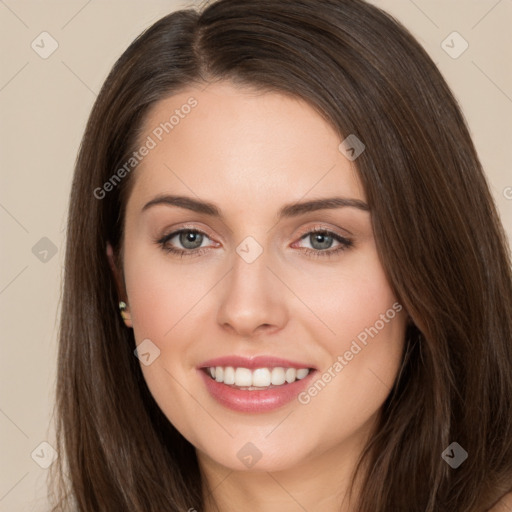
(261, 377)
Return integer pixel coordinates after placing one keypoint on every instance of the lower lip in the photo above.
(255, 401)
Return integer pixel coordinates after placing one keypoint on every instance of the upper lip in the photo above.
(253, 362)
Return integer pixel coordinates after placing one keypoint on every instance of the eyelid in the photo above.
(173, 231)
(324, 228)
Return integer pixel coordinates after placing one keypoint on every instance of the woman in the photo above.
(283, 200)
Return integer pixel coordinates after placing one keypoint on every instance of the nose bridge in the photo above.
(251, 296)
(250, 272)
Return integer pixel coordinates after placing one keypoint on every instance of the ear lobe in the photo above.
(121, 292)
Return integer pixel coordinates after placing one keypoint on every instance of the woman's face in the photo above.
(252, 286)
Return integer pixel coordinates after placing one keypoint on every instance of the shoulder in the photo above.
(504, 505)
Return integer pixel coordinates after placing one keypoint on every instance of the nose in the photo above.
(253, 299)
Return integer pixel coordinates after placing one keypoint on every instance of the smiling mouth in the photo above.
(257, 379)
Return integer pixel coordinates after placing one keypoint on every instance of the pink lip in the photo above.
(253, 362)
(254, 401)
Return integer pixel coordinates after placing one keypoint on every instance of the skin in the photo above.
(251, 153)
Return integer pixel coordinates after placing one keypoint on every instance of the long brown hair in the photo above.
(436, 229)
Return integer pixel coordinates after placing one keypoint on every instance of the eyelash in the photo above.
(345, 244)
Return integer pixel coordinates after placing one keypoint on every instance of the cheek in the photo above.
(160, 291)
(152, 299)
(361, 327)
(345, 299)
(353, 386)
(162, 296)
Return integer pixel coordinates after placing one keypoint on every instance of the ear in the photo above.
(121, 292)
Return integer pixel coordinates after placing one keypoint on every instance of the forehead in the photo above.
(241, 143)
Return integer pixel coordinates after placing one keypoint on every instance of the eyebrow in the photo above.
(287, 211)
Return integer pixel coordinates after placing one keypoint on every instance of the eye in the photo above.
(190, 240)
(321, 240)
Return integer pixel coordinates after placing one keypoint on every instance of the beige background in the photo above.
(44, 104)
